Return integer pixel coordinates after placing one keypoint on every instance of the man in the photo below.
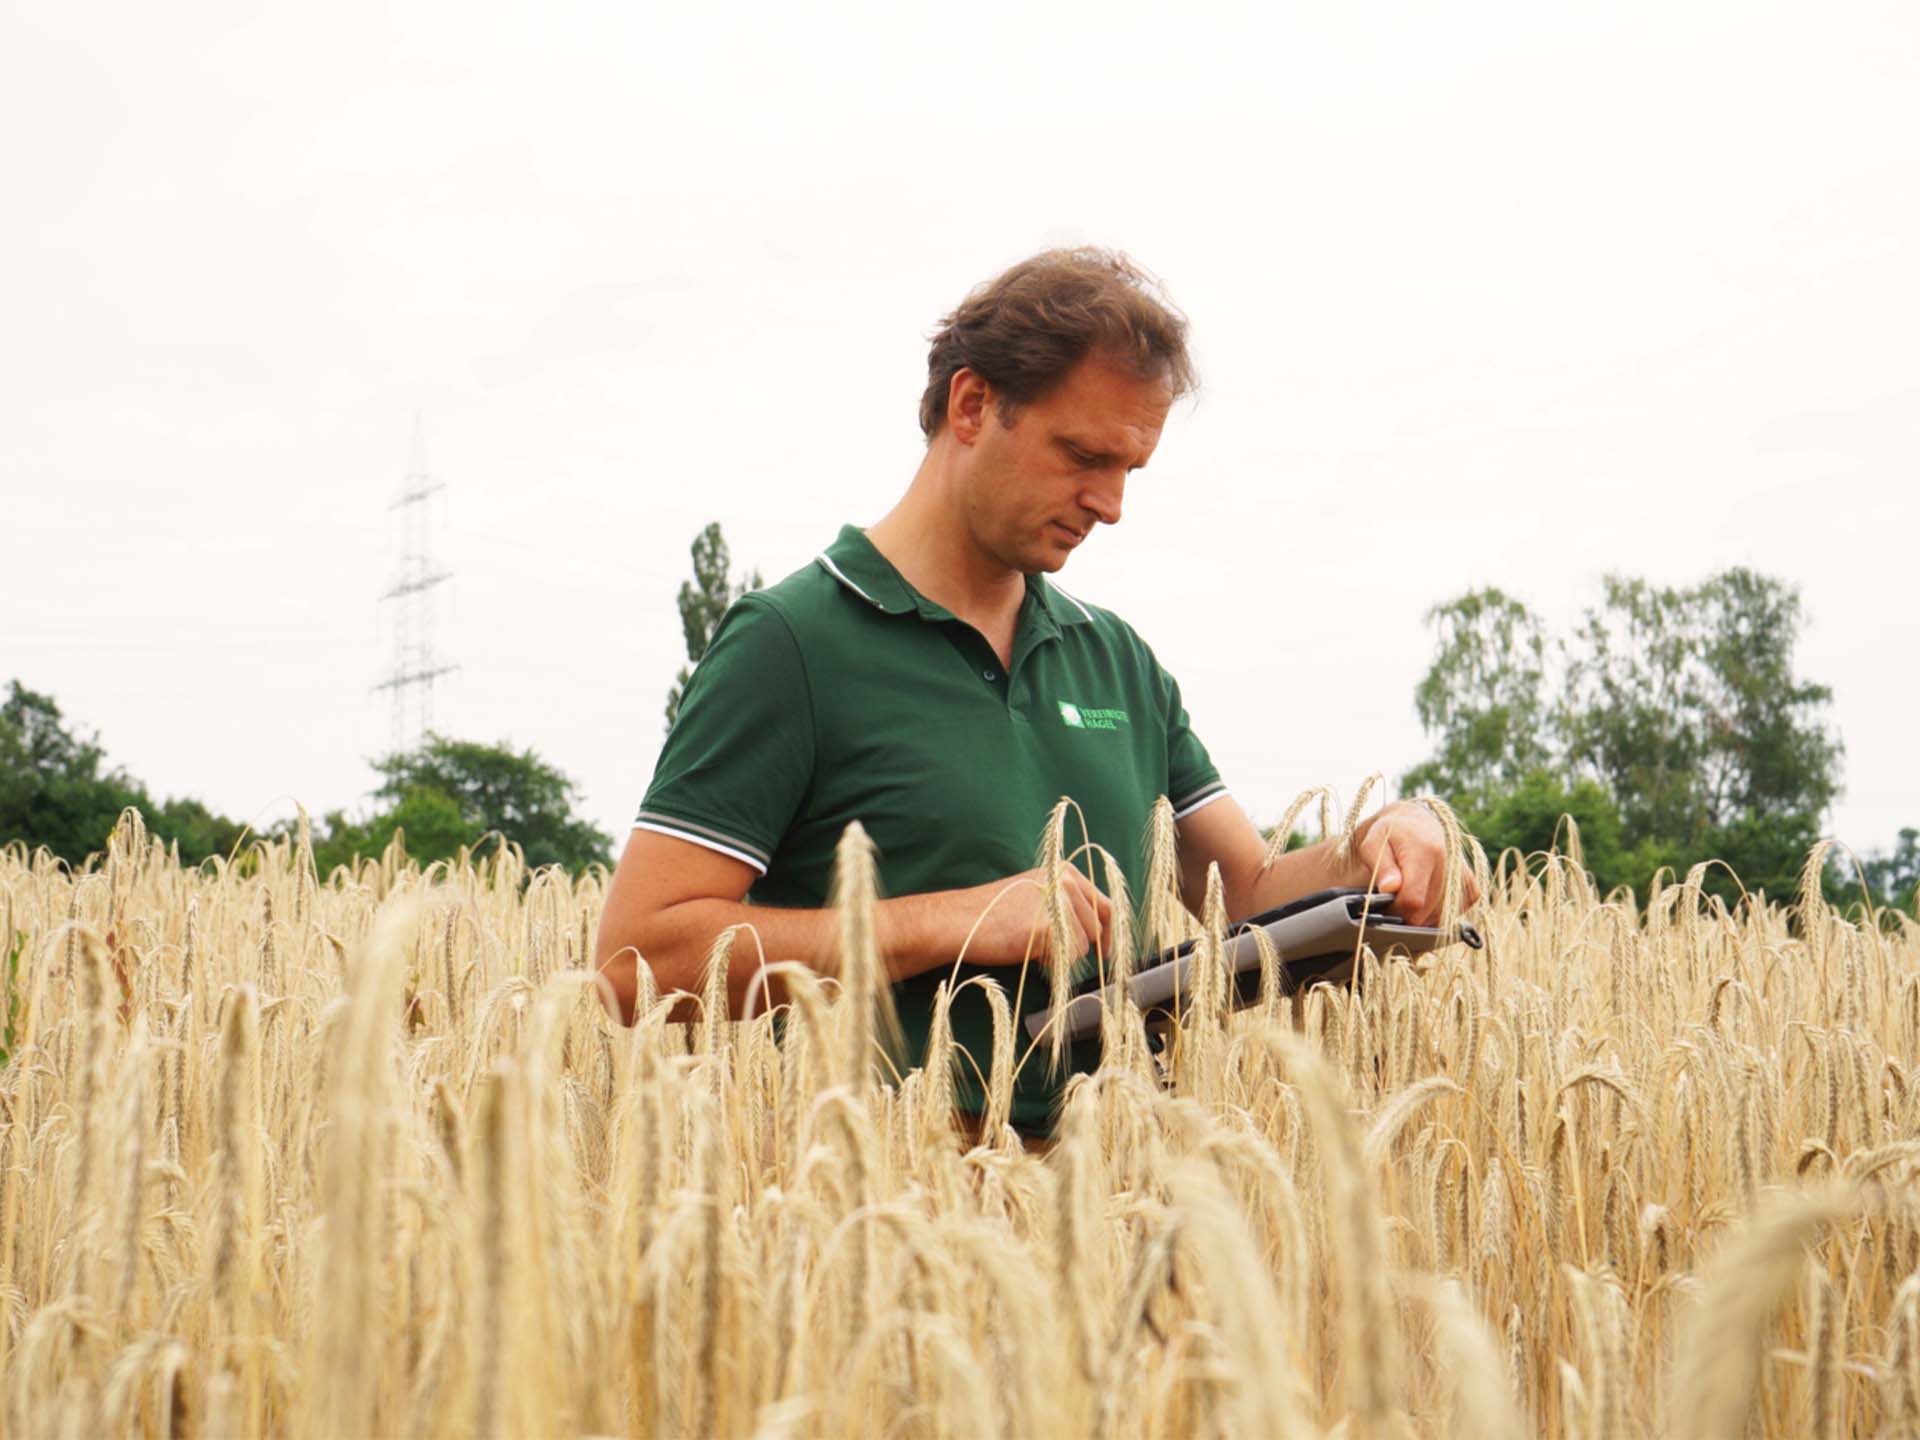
(926, 679)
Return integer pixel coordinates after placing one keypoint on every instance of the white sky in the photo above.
(1508, 293)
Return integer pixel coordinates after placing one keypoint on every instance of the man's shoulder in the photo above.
(806, 614)
(806, 599)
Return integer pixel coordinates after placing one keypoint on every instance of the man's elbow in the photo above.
(620, 953)
(621, 971)
(623, 952)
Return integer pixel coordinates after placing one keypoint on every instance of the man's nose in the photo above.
(1102, 497)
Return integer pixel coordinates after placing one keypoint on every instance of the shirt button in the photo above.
(988, 675)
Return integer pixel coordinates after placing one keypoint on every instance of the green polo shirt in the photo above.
(843, 694)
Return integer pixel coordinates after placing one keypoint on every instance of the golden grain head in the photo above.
(301, 1158)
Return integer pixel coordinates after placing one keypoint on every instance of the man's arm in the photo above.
(1403, 840)
(669, 899)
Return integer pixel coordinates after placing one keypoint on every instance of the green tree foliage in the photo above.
(12, 993)
(445, 794)
(703, 600)
(1531, 817)
(1882, 878)
(1679, 708)
(57, 790)
(1296, 839)
(429, 821)
(1684, 703)
(1483, 700)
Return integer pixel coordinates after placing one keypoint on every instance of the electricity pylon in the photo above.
(417, 667)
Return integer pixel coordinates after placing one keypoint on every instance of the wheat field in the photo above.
(366, 1156)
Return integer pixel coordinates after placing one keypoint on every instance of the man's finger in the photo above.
(1087, 916)
(1416, 889)
(1101, 914)
(1376, 853)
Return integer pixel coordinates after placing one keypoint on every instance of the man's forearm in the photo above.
(1221, 834)
(913, 933)
(1292, 875)
(1404, 839)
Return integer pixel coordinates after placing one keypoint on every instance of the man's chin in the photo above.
(1047, 562)
(1043, 558)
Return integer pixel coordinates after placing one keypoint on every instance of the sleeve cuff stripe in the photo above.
(691, 827)
(705, 841)
(1199, 798)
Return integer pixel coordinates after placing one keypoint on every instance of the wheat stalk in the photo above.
(296, 1155)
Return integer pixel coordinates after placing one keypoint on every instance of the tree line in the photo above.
(1670, 724)
(57, 791)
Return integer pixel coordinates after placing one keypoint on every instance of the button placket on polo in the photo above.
(987, 663)
(1037, 628)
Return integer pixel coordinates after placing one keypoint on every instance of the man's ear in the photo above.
(968, 400)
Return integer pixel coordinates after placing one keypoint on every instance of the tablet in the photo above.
(1316, 937)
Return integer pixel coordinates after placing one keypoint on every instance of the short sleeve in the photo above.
(1192, 779)
(740, 755)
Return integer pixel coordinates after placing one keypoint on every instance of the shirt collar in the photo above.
(866, 573)
(1064, 609)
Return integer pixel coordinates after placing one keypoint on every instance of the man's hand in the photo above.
(1402, 851)
(1404, 838)
(669, 898)
(1015, 927)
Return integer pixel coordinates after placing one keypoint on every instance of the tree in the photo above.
(448, 793)
(56, 790)
(1531, 816)
(1635, 720)
(1483, 699)
(1884, 878)
(1681, 706)
(703, 600)
(430, 821)
(198, 831)
(1685, 704)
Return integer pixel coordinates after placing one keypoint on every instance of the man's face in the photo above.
(1036, 488)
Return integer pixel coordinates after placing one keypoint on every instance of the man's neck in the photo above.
(925, 537)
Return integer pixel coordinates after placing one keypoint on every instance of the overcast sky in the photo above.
(1481, 293)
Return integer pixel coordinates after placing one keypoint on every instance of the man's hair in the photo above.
(1024, 330)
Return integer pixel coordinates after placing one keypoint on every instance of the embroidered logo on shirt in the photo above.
(1087, 717)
